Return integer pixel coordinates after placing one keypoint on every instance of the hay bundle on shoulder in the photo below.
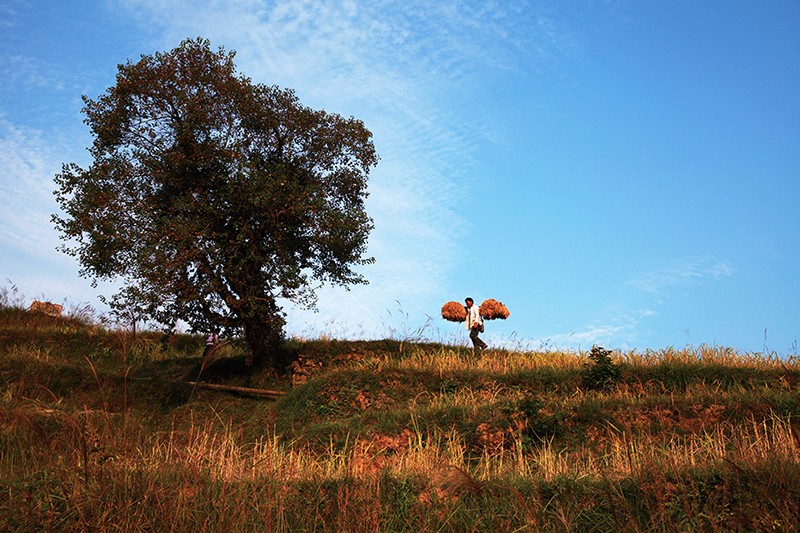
(491, 309)
(454, 312)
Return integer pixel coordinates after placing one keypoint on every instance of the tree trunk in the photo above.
(264, 339)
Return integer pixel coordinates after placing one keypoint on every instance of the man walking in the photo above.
(211, 342)
(474, 324)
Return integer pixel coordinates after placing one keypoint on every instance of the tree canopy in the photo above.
(212, 197)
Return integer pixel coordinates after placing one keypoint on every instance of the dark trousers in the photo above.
(476, 341)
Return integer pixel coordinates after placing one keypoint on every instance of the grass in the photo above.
(97, 432)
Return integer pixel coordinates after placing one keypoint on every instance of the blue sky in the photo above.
(617, 173)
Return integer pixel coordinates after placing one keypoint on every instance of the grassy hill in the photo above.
(101, 429)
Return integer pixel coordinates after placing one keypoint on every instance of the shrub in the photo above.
(600, 372)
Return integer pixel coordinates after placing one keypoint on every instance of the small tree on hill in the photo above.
(211, 197)
(600, 372)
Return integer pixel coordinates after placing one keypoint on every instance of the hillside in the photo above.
(101, 430)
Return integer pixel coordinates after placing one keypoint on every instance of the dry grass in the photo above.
(424, 438)
(492, 309)
(205, 474)
(454, 312)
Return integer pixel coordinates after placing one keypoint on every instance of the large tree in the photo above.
(211, 198)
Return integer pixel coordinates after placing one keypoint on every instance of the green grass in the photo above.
(99, 431)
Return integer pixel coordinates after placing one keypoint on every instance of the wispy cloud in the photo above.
(8, 15)
(404, 68)
(25, 71)
(681, 273)
(624, 323)
(407, 69)
(27, 238)
(26, 198)
(617, 326)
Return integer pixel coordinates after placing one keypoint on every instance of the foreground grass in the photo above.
(97, 433)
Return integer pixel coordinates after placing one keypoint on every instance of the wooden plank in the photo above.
(232, 388)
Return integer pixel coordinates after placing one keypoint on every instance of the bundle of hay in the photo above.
(491, 309)
(454, 312)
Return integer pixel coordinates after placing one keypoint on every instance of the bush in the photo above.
(600, 372)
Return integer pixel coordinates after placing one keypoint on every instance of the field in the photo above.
(99, 430)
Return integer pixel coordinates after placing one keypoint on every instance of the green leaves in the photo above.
(212, 195)
(600, 372)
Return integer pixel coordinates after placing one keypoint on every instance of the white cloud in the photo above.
(404, 69)
(621, 323)
(25, 71)
(681, 273)
(28, 240)
(616, 327)
(28, 165)
(8, 16)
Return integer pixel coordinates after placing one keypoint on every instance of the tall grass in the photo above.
(393, 436)
(203, 478)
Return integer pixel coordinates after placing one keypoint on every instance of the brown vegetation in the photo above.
(454, 312)
(492, 309)
(389, 436)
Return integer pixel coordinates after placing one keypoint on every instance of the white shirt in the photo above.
(473, 317)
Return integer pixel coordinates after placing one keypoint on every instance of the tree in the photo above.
(210, 197)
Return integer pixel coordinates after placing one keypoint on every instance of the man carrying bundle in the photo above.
(474, 324)
(211, 342)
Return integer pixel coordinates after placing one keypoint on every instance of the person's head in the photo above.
(469, 301)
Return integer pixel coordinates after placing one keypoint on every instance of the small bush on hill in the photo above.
(600, 372)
